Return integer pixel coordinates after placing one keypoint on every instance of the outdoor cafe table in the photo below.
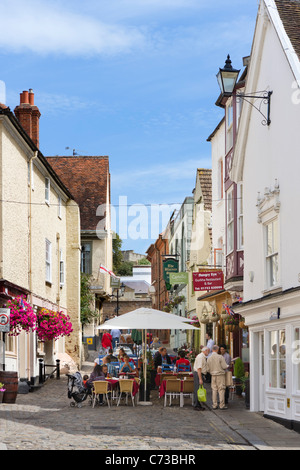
(114, 383)
(162, 388)
(174, 375)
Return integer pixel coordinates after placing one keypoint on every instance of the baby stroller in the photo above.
(77, 391)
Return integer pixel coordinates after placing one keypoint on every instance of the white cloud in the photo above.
(43, 28)
(161, 181)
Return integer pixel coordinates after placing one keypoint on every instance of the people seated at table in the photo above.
(128, 367)
(111, 356)
(121, 355)
(111, 369)
(161, 358)
(182, 360)
(97, 374)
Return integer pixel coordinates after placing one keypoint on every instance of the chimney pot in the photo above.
(24, 97)
(31, 97)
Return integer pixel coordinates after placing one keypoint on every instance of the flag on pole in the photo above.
(228, 309)
(106, 271)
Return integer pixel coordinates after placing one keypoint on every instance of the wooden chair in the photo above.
(187, 390)
(173, 389)
(100, 387)
(167, 376)
(126, 386)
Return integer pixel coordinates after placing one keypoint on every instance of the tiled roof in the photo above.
(206, 187)
(87, 179)
(289, 12)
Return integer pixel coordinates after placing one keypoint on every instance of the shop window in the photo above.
(296, 358)
(277, 359)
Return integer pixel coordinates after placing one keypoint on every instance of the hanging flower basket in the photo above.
(22, 316)
(195, 321)
(224, 315)
(214, 317)
(204, 319)
(231, 323)
(52, 325)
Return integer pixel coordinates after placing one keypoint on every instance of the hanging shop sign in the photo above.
(179, 278)
(170, 265)
(115, 282)
(208, 281)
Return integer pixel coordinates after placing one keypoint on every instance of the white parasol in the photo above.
(147, 319)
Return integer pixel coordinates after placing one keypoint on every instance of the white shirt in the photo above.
(200, 363)
(210, 344)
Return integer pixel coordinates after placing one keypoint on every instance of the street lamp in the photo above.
(227, 78)
(119, 289)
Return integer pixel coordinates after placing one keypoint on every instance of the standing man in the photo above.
(115, 333)
(217, 366)
(227, 357)
(210, 343)
(198, 373)
(106, 341)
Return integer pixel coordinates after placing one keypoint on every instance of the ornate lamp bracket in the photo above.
(264, 97)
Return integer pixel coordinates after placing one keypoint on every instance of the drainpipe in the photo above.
(58, 272)
(30, 256)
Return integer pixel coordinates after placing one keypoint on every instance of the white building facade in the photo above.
(266, 161)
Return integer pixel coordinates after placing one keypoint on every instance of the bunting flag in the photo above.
(106, 271)
(239, 298)
(228, 309)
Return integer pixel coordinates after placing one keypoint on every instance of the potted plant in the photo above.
(239, 375)
(2, 390)
(242, 322)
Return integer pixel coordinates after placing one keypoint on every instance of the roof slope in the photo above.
(88, 179)
(206, 187)
(289, 12)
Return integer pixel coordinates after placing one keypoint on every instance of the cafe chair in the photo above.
(167, 367)
(173, 390)
(126, 386)
(100, 387)
(187, 390)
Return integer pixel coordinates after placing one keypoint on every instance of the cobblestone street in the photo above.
(44, 420)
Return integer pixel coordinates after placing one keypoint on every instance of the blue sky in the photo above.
(131, 79)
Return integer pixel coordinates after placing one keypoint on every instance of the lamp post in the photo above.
(122, 289)
(227, 78)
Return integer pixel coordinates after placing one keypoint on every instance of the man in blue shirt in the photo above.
(115, 337)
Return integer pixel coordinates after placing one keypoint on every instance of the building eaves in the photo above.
(5, 111)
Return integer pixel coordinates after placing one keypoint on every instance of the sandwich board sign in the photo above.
(4, 320)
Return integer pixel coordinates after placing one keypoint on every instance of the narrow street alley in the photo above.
(44, 420)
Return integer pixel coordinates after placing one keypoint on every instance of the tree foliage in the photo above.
(87, 310)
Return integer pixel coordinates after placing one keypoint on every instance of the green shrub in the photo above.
(239, 368)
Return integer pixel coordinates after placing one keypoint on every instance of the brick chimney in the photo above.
(29, 115)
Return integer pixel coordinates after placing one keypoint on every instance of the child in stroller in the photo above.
(77, 391)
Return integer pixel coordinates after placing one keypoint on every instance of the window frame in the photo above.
(47, 190)
(48, 261)
(273, 255)
(230, 222)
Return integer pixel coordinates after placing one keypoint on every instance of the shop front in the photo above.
(274, 331)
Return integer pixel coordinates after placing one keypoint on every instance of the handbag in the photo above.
(228, 378)
(201, 393)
